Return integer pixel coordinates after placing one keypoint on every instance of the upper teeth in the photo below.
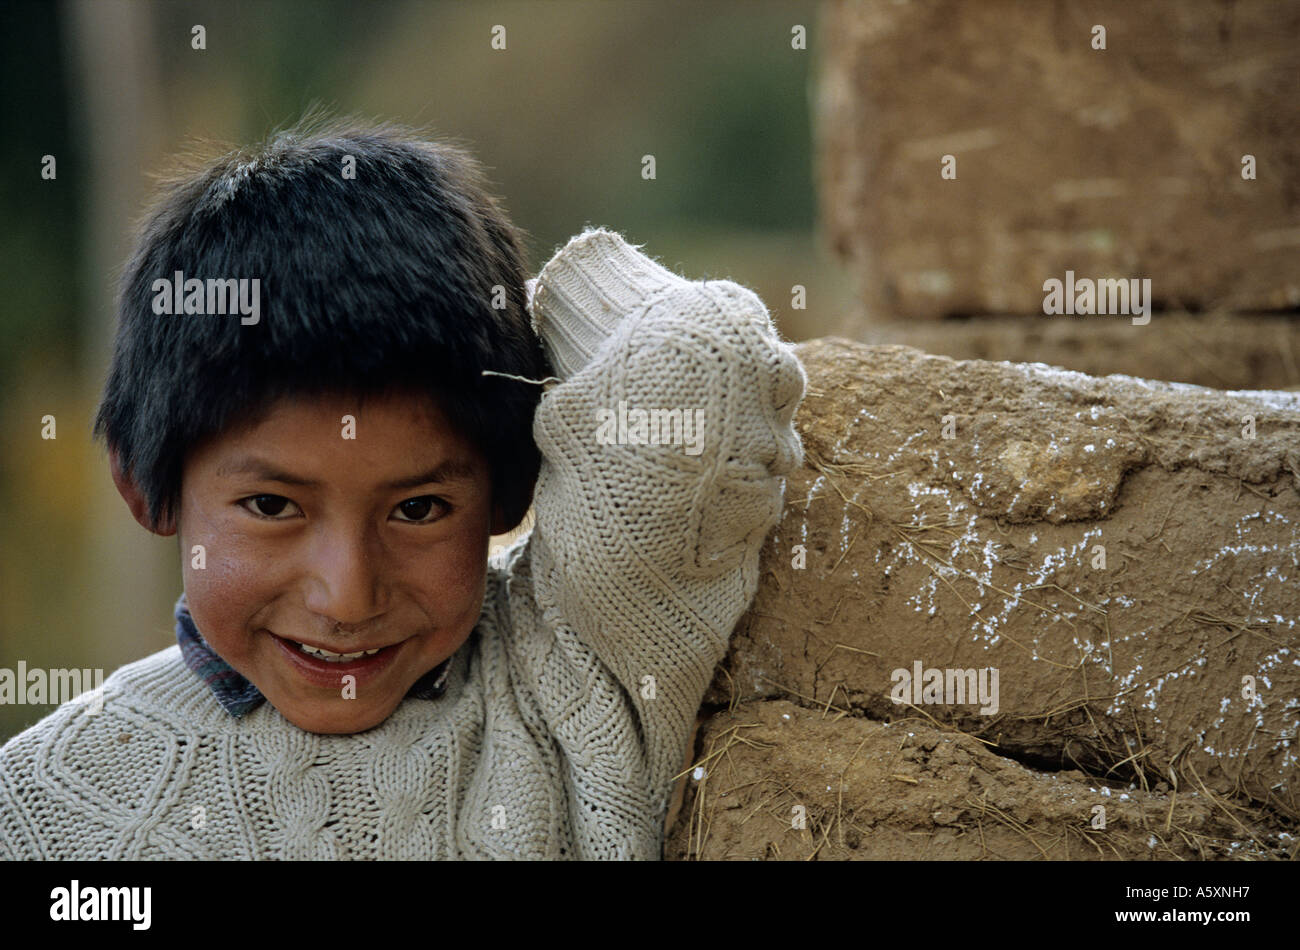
(336, 657)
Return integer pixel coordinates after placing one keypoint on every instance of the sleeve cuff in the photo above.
(586, 289)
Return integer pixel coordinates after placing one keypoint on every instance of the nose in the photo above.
(345, 577)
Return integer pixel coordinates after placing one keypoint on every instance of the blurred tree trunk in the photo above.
(126, 581)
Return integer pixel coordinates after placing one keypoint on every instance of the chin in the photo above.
(336, 722)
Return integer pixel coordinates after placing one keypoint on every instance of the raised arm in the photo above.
(663, 450)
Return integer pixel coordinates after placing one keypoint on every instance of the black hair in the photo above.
(382, 281)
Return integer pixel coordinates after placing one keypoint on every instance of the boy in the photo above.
(353, 678)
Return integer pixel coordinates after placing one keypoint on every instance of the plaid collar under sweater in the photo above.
(237, 695)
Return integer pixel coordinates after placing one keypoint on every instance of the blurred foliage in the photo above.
(38, 243)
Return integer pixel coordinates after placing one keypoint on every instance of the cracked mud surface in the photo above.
(904, 790)
(1119, 550)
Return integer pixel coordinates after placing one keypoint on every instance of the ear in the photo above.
(134, 499)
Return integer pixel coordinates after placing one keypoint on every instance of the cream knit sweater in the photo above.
(568, 709)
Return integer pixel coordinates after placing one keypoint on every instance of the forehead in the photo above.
(338, 437)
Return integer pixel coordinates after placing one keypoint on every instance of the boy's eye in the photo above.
(267, 506)
(423, 509)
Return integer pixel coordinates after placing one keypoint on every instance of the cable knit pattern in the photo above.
(567, 710)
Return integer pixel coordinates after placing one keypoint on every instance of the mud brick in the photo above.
(1122, 162)
(1122, 550)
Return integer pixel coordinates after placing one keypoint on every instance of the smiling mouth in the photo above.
(329, 656)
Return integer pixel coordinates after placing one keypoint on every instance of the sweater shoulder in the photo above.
(155, 696)
(96, 758)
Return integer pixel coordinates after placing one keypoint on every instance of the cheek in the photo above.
(451, 578)
(226, 581)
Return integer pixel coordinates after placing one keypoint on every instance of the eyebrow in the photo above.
(445, 472)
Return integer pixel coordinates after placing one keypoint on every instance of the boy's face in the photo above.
(374, 542)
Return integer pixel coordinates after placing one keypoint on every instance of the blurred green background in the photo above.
(561, 119)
